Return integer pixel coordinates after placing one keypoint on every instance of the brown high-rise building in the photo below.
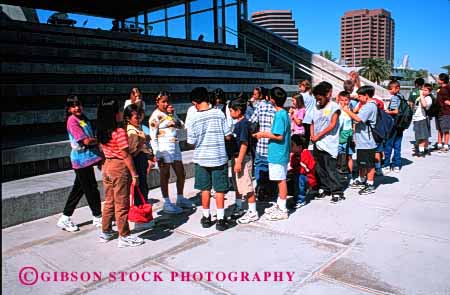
(367, 34)
(278, 21)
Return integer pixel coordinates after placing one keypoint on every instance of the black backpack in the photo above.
(383, 126)
(434, 109)
(405, 113)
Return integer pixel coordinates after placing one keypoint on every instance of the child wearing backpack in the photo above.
(400, 110)
(364, 139)
(420, 120)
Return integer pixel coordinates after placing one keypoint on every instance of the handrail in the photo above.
(236, 33)
(284, 58)
(331, 77)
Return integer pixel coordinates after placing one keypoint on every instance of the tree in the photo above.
(327, 54)
(375, 69)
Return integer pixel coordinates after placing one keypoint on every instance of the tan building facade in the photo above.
(367, 34)
(278, 21)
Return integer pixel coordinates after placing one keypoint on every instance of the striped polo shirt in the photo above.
(207, 133)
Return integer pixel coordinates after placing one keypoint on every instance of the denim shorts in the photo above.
(344, 148)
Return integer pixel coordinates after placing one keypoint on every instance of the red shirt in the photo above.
(306, 158)
(379, 103)
(118, 142)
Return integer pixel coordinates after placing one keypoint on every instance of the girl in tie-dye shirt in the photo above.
(84, 155)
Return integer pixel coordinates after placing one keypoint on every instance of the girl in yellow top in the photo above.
(142, 155)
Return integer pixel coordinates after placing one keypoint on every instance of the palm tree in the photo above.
(375, 69)
(327, 54)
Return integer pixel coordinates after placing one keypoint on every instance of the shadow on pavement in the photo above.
(385, 180)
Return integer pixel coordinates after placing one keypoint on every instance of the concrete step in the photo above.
(27, 89)
(16, 68)
(44, 195)
(71, 55)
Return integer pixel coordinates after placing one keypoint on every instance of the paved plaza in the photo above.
(396, 241)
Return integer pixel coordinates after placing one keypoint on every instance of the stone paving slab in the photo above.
(339, 226)
(320, 286)
(152, 287)
(249, 248)
(392, 262)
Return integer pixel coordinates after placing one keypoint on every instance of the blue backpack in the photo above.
(383, 126)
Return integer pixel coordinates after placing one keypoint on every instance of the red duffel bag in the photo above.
(139, 213)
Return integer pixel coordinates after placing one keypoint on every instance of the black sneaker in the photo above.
(367, 190)
(206, 222)
(322, 194)
(421, 155)
(357, 184)
(337, 198)
(223, 224)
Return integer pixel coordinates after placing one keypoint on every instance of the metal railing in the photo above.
(322, 74)
(335, 81)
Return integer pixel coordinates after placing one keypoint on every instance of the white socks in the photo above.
(252, 207)
(220, 213)
(205, 212)
(281, 203)
(421, 149)
(370, 182)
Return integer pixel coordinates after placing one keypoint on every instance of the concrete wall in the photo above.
(41, 196)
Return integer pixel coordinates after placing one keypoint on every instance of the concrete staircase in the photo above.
(41, 64)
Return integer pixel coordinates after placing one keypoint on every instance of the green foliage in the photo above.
(375, 69)
(327, 54)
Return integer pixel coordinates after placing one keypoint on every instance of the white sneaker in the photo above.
(397, 169)
(248, 217)
(386, 170)
(170, 208)
(105, 237)
(130, 241)
(277, 214)
(185, 203)
(66, 224)
(272, 208)
(97, 221)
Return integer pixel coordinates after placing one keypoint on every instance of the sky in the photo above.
(421, 27)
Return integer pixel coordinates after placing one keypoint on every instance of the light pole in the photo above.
(354, 56)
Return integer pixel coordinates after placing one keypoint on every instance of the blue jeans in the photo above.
(393, 142)
(141, 164)
(302, 187)
(261, 164)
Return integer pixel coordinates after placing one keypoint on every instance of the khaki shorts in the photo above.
(243, 182)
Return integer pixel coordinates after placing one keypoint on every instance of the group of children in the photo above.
(257, 137)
